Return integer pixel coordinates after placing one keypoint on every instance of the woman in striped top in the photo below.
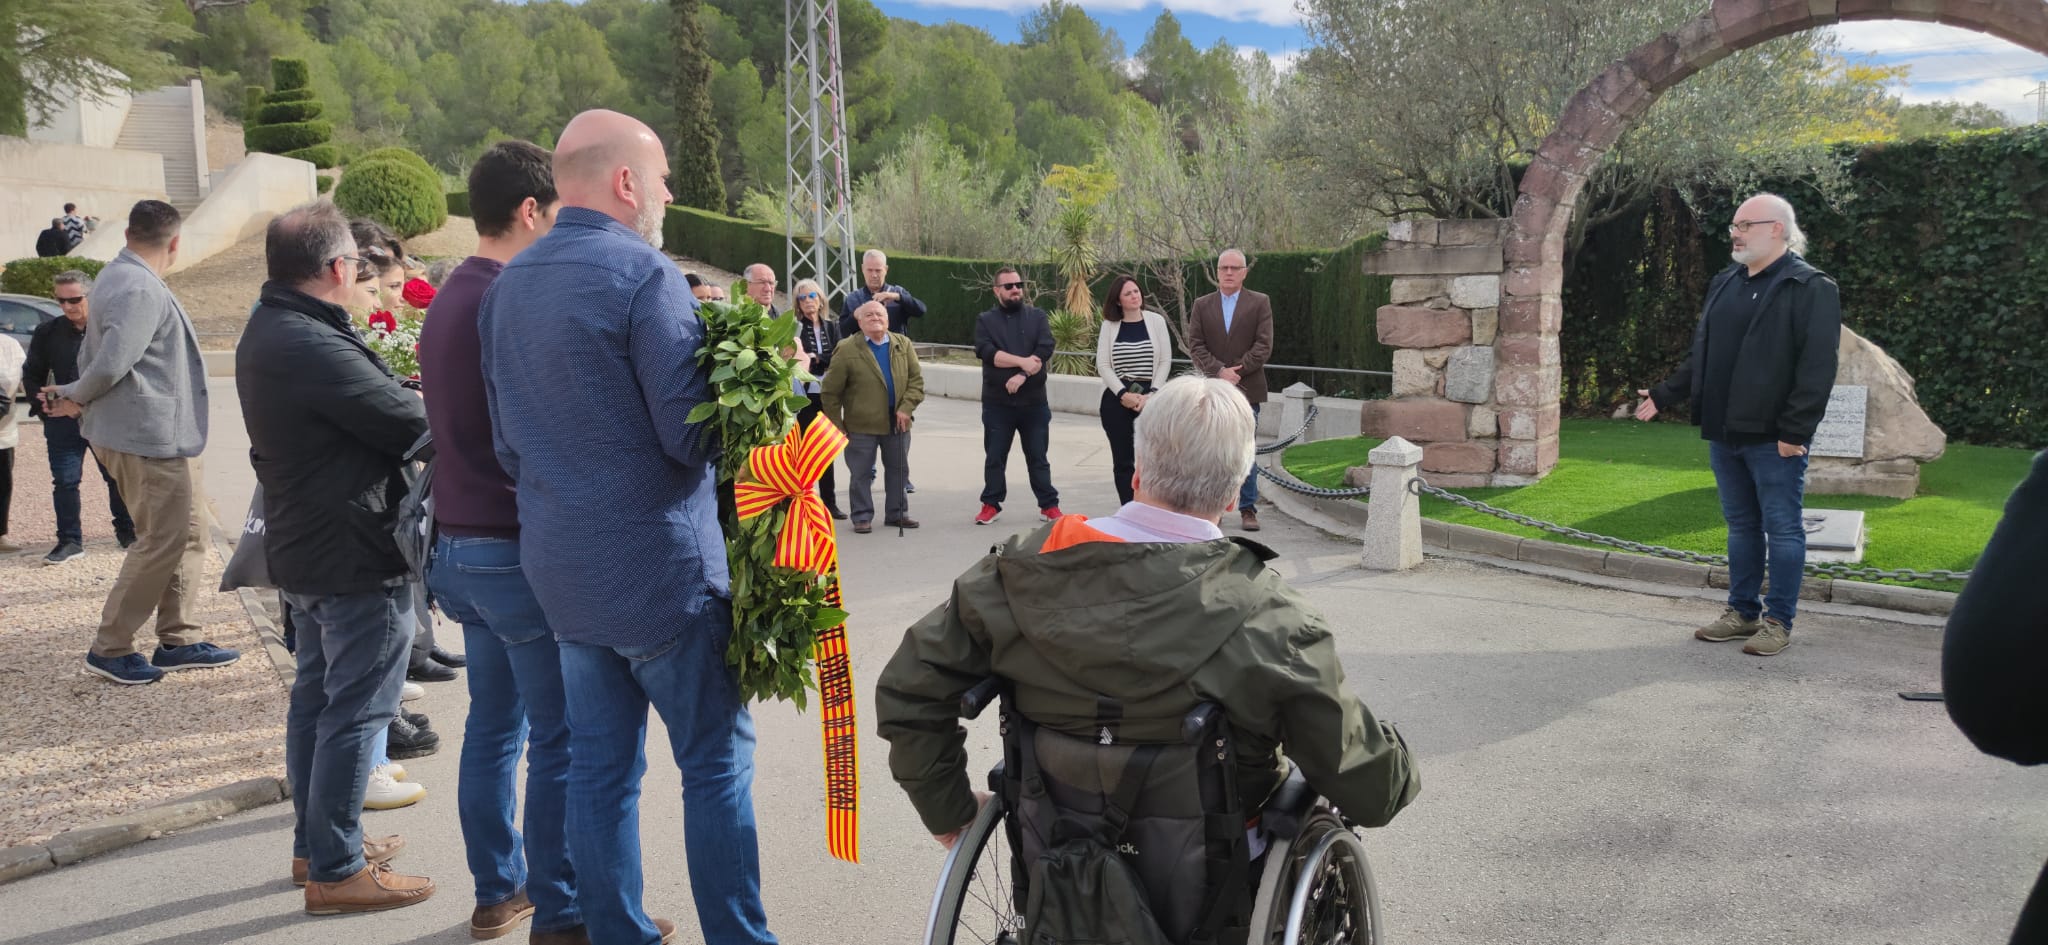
(1133, 355)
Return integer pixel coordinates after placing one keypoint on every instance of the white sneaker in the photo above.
(411, 691)
(388, 793)
(396, 770)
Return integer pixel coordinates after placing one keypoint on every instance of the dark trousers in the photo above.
(1119, 423)
(1031, 423)
(825, 482)
(6, 485)
(860, 468)
(67, 451)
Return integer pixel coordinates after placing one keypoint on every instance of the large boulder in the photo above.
(1897, 435)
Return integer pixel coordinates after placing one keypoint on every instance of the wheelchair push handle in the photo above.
(1198, 721)
(978, 698)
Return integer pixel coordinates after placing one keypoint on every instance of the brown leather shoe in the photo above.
(495, 920)
(1248, 520)
(904, 522)
(375, 889)
(375, 850)
(862, 528)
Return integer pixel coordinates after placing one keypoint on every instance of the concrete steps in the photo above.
(162, 122)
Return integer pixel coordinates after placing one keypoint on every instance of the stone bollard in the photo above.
(1393, 524)
(1294, 407)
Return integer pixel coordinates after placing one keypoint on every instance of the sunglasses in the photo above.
(809, 295)
(1009, 285)
(74, 300)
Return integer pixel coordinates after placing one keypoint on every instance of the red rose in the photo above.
(418, 293)
(384, 320)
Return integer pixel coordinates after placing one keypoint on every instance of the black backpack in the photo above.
(414, 530)
(1082, 890)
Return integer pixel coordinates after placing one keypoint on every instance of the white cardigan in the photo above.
(11, 358)
(1162, 351)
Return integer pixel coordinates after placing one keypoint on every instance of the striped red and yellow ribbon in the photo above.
(789, 470)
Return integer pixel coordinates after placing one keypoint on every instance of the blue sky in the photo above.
(1946, 62)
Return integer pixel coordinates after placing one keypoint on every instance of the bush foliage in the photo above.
(322, 156)
(458, 203)
(287, 74)
(394, 193)
(36, 277)
(323, 183)
(287, 112)
(287, 121)
(400, 155)
(290, 136)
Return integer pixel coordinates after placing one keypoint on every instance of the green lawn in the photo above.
(1649, 482)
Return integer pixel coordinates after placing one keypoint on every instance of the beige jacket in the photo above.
(11, 358)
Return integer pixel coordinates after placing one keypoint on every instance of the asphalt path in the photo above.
(1591, 774)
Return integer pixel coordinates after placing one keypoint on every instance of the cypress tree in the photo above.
(694, 179)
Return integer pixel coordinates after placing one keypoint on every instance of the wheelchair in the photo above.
(1314, 885)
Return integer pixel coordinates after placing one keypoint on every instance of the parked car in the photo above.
(20, 314)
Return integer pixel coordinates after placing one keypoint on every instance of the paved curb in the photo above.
(114, 833)
(1343, 518)
(126, 830)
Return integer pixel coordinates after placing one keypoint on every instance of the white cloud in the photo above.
(1271, 12)
(1948, 63)
(1906, 36)
(2006, 95)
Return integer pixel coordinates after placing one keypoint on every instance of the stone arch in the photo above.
(1528, 369)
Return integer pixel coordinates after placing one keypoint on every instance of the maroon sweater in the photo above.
(473, 498)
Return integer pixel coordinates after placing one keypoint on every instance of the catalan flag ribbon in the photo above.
(789, 470)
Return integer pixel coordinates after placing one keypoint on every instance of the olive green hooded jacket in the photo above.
(1160, 627)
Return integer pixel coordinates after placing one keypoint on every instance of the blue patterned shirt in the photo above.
(590, 341)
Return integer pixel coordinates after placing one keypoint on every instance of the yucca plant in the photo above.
(1076, 333)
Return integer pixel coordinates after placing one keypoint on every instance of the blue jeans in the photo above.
(67, 451)
(1248, 494)
(1761, 497)
(351, 652)
(685, 679)
(515, 697)
(1000, 423)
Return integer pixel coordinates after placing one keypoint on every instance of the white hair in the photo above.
(874, 255)
(1241, 257)
(1194, 445)
(766, 270)
(1795, 238)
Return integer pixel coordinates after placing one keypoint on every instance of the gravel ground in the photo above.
(75, 748)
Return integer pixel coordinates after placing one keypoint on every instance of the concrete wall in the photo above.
(257, 188)
(37, 178)
(1069, 393)
(91, 122)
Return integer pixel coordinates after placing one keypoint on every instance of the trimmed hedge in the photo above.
(291, 95)
(396, 194)
(252, 100)
(36, 276)
(277, 139)
(287, 112)
(1941, 253)
(400, 155)
(458, 203)
(1324, 304)
(322, 156)
(323, 183)
(290, 73)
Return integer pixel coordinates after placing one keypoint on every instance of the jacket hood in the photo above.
(1129, 618)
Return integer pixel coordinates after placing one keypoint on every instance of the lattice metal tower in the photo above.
(820, 208)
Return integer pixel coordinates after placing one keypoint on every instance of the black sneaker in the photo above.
(419, 720)
(430, 671)
(63, 553)
(410, 741)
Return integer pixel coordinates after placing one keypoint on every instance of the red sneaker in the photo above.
(1051, 515)
(988, 514)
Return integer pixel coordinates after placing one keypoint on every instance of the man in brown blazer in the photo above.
(1230, 336)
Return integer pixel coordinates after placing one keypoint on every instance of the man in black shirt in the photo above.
(1014, 342)
(1757, 378)
(53, 360)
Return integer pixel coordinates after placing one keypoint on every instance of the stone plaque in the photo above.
(1841, 429)
(1834, 535)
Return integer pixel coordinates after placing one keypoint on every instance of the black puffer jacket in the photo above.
(1787, 366)
(327, 427)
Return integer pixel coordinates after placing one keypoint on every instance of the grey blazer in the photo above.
(140, 377)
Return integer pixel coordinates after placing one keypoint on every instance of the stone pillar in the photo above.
(1444, 322)
(1393, 523)
(1296, 401)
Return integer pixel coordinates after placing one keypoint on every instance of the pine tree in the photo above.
(695, 179)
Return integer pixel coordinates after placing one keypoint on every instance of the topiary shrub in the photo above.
(37, 277)
(458, 203)
(291, 95)
(396, 194)
(322, 156)
(323, 183)
(290, 73)
(287, 112)
(252, 102)
(400, 155)
(277, 139)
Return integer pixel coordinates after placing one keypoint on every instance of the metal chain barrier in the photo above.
(1305, 489)
(1280, 444)
(1817, 568)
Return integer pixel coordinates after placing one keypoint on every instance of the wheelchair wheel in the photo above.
(976, 901)
(1319, 890)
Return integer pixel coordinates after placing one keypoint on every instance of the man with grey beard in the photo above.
(589, 349)
(1757, 378)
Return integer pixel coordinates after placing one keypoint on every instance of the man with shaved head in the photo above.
(1757, 379)
(590, 339)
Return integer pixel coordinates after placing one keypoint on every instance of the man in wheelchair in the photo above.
(1111, 639)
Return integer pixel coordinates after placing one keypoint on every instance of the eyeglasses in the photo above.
(1009, 285)
(74, 300)
(361, 265)
(1742, 226)
(1232, 268)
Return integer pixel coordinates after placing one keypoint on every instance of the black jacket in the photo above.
(327, 427)
(1024, 334)
(53, 242)
(1787, 365)
(901, 311)
(1994, 657)
(52, 359)
(822, 353)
